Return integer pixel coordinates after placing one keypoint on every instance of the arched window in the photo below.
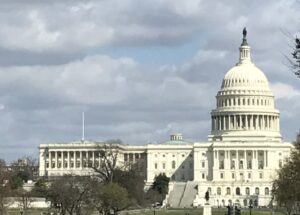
(237, 191)
(219, 190)
(267, 191)
(257, 191)
(228, 191)
(247, 191)
(173, 164)
(209, 190)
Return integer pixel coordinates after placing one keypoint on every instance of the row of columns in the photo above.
(72, 159)
(229, 102)
(257, 161)
(81, 159)
(132, 157)
(245, 121)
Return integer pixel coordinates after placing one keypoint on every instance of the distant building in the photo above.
(236, 165)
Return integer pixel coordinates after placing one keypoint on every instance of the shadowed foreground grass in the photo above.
(215, 211)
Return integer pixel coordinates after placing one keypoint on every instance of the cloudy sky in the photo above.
(138, 69)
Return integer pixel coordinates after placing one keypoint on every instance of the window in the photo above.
(182, 155)
(260, 165)
(241, 166)
(203, 176)
(155, 166)
(191, 165)
(219, 190)
(242, 176)
(249, 164)
(249, 175)
(164, 165)
(47, 165)
(228, 191)
(209, 190)
(260, 175)
(247, 191)
(232, 165)
(237, 191)
(267, 191)
(221, 175)
(182, 167)
(257, 191)
(164, 155)
(173, 164)
(203, 164)
(221, 163)
(232, 175)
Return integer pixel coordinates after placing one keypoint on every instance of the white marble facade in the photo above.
(236, 165)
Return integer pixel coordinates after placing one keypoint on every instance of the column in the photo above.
(56, 160)
(251, 122)
(68, 161)
(265, 158)
(93, 157)
(234, 122)
(62, 159)
(245, 159)
(80, 159)
(50, 159)
(254, 159)
(246, 121)
(224, 122)
(212, 123)
(75, 159)
(219, 122)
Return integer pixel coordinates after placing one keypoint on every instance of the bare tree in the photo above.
(70, 194)
(108, 155)
(5, 189)
(25, 200)
(295, 62)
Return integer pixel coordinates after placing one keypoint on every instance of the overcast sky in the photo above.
(139, 69)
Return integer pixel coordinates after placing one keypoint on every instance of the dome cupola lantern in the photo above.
(245, 54)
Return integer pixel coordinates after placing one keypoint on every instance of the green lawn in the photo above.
(216, 211)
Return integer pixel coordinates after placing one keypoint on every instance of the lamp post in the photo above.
(250, 208)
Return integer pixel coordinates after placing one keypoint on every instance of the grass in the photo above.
(215, 211)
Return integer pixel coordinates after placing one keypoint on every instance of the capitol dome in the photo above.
(245, 76)
(245, 104)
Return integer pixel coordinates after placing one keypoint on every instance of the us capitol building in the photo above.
(236, 165)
